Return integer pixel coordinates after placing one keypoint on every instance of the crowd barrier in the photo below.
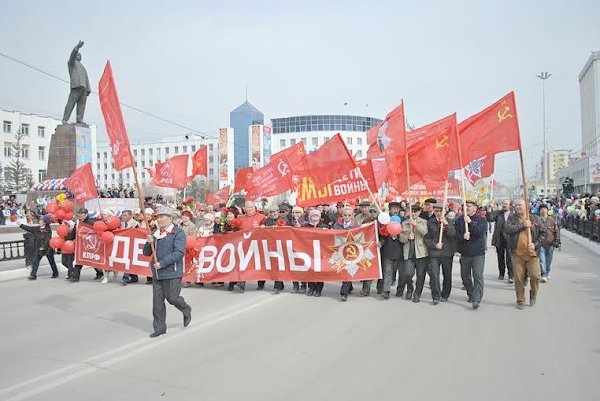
(586, 228)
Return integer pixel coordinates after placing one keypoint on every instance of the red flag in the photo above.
(172, 173)
(328, 163)
(367, 170)
(242, 177)
(391, 130)
(480, 168)
(220, 196)
(294, 154)
(429, 158)
(491, 131)
(113, 120)
(272, 179)
(82, 184)
(380, 172)
(200, 162)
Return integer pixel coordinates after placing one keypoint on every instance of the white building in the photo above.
(38, 131)
(316, 130)
(146, 154)
(589, 90)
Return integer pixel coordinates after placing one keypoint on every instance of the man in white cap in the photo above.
(169, 243)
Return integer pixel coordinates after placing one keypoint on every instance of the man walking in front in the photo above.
(552, 241)
(499, 218)
(525, 235)
(167, 271)
(471, 246)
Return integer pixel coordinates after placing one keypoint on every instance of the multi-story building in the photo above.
(316, 130)
(37, 132)
(557, 159)
(240, 119)
(589, 90)
(146, 154)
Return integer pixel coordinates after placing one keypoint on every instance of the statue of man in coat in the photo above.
(80, 86)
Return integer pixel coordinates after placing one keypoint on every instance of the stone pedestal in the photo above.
(62, 158)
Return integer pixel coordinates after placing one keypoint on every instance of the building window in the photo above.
(166, 151)
(293, 141)
(41, 175)
(7, 149)
(210, 147)
(176, 150)
(315, 141)
(184, 148)
(282, 143)
(105, 166)
(41, 132)
(105, 155)
(143, 174)
(359, 154)
(303, 140)
(112, 176)
(193, 148)
(7, 127)
(211, 171)
(143, 163)
(349, 140)
(325, 139)
(150, 151)
(359, 141)
(25, 152)
(143, 152)
(25, 129)
(105, 178)
(135, 152)
(98, 166)
(41, 153)
(127, 176)
(211, 159)
(98, 155)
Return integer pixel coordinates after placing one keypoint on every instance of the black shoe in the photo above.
(416, 300)
(444, 299)
(260, 287)
(317, 293)
(276, 291)
(343, 298)
(409, 294)
(363, 294)
(156, 334)
(469, 300)
(310, 292)
(187, 318)
(385, 295)
(54, 275)
(475, 305)
(73, 280)
(379, 292)
(230, 287)
(148, 280)
(436, 301)
(32, 278)
(501, 277)
(99, 276)
(399, 294)
(295, 290)
(302, 291)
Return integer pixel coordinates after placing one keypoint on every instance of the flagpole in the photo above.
(369, 189)
(492, 189)
(443, 211)
(462, 177)
(412, 229)
(525, 194)
(141, 202)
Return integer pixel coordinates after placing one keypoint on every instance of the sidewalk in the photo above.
(14, 269)
(584, 242)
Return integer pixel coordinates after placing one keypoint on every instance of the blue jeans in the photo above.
(546, 253)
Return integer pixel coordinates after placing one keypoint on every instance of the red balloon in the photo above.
(190, 242)
(62, 230)
(51, 208)
(56, 242)
(107, 237)
(68, 247)
(67, 206)
(99, 227)
(69, 216)
(60, 214)
(54, 218)
(394, 228)
(113, 223)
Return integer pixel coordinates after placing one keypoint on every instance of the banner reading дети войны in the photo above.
(264, 253)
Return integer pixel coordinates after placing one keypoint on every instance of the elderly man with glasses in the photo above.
(347, 223)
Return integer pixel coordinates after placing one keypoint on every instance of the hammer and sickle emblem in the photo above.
(283, 168)
(351, 252)
(504, 114)
(442, 142)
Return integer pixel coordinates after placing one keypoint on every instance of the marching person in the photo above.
(127, 221)
(169, 243)
(416, 257)
(297, 220)
(391, 255)
(552, 241)
(67, 259)
(347, 223)
(499, 218)
(41, 243)
(524, 247)
(471, 246)
(314, 221)
(440, 253)
(84, 217)
(396, 210)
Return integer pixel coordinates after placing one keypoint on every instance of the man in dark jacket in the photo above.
(525, 234)
(391, 254)
(167, 271)
(84, 217)
(41, 239)
(499, 218)
(441, 252)
(471, 244)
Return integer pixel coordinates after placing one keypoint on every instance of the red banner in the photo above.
(266, 253)
(241, 178)
(82, 184)
(270, 180)
(350, 186)
(171, 173)
(220, 196)
(200, 162)
(113, 120)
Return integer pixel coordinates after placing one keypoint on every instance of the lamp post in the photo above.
(544, 76)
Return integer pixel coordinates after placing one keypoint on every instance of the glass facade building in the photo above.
(323, 123)
(240, 119)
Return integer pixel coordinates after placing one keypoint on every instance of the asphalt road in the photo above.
(89, 341)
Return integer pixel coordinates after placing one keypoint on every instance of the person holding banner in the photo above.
(167, 269)
(416, 257)
(314, 221)
(471, 231)
(346, 224)
(441, 252)
(83, 217)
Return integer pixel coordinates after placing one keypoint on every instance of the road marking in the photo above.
(74, 371)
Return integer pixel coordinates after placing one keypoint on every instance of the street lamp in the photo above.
(544, 76)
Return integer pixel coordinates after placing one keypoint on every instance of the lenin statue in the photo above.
(80, 86)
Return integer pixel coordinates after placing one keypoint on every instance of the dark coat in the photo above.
(169, 251)
(498, 237)
(513, 228)
(41, 239)
(391, 248)
(478, 227)
(448, 238)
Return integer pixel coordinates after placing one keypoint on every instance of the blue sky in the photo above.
(190, 62)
